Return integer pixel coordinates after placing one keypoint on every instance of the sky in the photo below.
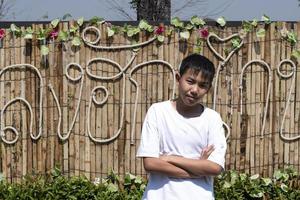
(232, 10)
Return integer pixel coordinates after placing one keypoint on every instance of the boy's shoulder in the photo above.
(160, 104)
(212, 114)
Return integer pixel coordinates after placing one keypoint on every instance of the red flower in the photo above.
(203, 32)
(159, 30)
(53, 34)
(2, 33)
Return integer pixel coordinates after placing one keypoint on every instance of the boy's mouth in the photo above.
(191, 98)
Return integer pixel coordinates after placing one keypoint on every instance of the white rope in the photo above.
(6, 128)
(93, 43)
(59, 112)
(26, 103)
(224, 60)
(137, 88)
(293, 73)
(93, 97)
(79, 77)
(221, 66)
(268, 92)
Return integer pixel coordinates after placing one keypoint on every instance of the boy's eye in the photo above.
(204, 85)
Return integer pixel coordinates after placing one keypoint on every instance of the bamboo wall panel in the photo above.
(252, 148)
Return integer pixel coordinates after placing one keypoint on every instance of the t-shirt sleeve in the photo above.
(217, 138)
(149, 145)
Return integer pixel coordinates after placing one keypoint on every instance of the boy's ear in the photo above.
(177, 76)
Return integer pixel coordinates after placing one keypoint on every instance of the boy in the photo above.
(183, 144)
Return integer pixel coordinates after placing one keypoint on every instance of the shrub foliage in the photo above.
(228, 186)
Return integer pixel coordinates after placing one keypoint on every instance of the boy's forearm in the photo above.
(156, 165)
(198, 167)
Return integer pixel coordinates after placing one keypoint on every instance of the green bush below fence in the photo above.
(230, 185)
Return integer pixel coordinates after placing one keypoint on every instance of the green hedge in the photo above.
(230, 185)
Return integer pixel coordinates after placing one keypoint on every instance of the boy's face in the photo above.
(192, 86)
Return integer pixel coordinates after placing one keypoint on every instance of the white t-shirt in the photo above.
(166, 132)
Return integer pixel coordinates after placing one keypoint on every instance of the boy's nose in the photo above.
(194, 90)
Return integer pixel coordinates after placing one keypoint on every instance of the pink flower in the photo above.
(2, 33)
(203, 32)
(159, 30)
(53, 34)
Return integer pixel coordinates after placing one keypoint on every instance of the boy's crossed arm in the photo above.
(180, 167)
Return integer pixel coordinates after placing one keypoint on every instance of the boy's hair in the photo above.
(199, 64)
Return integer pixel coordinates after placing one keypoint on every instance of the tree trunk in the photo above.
(154, 10)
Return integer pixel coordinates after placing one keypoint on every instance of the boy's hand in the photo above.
(206, 152)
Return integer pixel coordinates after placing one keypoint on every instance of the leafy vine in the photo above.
(184, 29)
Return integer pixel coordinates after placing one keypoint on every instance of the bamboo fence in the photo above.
(252, 148)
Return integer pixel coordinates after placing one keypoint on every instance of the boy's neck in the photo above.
(187, 111)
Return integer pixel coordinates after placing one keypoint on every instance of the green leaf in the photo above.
(254, 177)
(55, 22)
(143, 24)
(110, 32)
(189, 26)
(261, 32)
(14, 28)
(198, 46)
(63, 35)
(235, 42)
(247, 26)
(73, 29)
(243, 176)
(96, 20)
(296, 54)
(266, 19)
(234, 177)
(129, 179)
(28, 33)
(198, 49)
(161, 38)
(277, 175)
(266, 181)
(221, 21)
(169, 32)
(44, 50)
(80, 21)
(138, 180)
(184, 35)
(196, 21)
(131, 31)
(284, 187)
(76, 41)
(292, 38)
(177, 23)
(1, 177)
(226, 185)
(28, 36)
(254, 22)
(67, 15)
(285, 177)
(256, 194)
(112, 188)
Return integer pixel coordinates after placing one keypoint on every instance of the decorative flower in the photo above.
(108, 24)
(242, 33)
(2, 33)
(97, 181)
(53, 34)
(284, 32)
(203, 32)
(159, 30)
